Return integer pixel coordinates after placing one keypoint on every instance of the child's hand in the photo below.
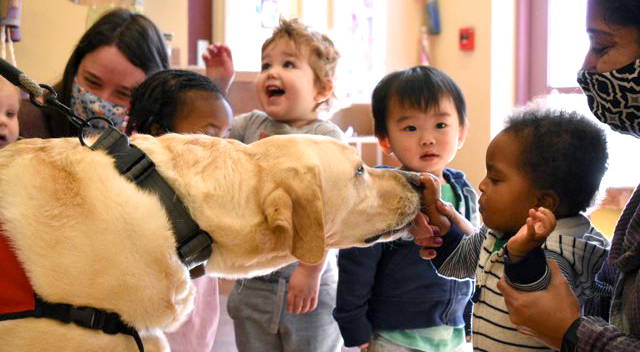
(430, 197)
(452, 214)
(219, 65)
(430, 224)
(539, 225)
(304, 285)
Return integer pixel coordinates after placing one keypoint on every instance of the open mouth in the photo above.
(3, 138)
(274, 91)
(397, 230)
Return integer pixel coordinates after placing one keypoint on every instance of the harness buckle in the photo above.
(83, 316)
(195, 250)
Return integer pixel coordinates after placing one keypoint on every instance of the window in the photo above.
(357, 28)
(359, 33)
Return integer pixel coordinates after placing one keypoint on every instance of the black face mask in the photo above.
(614, 97)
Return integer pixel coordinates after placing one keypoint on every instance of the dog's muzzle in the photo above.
(414, 180)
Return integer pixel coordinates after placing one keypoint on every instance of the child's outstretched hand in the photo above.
(448, 210)
(539, 226)
(219, 65)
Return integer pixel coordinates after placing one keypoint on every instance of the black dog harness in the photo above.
(193, 244)
(17, 299)
(193, 247)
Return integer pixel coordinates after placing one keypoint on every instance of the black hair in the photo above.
(562, 151)
(420, 87)
(139, 40)
(624, 13)
(158, 98)
(135, 35)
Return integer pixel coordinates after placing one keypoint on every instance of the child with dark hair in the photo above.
(180, 101)
(545, 164)
(389, 299)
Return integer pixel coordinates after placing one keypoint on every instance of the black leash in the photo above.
(193, 244)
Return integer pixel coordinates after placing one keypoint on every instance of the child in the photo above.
(9, 105)
(185, 102)
(545, 164)
(389, 299)
(298, 68)
(179, 101)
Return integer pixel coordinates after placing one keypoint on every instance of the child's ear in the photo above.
(384, 144)
(462, 135)
(549, 199)
(325, 89)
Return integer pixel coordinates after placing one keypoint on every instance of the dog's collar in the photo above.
(193, 244)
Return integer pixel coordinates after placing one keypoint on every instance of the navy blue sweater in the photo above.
(388, 286)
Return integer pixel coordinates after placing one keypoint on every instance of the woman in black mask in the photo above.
(610, 77)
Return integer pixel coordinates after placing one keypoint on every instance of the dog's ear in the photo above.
(295, 212)
(308, 220)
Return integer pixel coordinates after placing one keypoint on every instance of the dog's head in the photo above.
(281, 198)
(318, 194)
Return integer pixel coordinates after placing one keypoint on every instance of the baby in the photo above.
(9, 106)
(538, 169)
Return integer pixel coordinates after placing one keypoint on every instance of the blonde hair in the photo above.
(323, 55)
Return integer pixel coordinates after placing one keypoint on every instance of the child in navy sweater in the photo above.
(388, 297)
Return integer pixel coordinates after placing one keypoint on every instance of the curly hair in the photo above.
(323, 55)
(156, 100)
(562, 151)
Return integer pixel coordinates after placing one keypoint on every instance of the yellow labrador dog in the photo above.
(87, 236)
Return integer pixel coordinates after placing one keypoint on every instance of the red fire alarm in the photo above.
(467, 39)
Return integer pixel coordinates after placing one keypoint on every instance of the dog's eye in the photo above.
(360, 171)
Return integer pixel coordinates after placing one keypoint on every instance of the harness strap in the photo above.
(193, 244)
(88, 317)
(18, 301)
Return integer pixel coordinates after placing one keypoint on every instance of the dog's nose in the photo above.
(414, 179)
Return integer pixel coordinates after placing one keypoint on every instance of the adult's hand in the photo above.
(545, 315)
(426, 236)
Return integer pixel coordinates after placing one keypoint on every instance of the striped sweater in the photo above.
(578, 247)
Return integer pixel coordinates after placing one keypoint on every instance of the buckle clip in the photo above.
(84, 316)
(196, 250)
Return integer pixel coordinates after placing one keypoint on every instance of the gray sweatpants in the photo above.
(259, 311)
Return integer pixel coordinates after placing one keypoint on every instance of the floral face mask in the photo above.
(87, 105)
(614, 97)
